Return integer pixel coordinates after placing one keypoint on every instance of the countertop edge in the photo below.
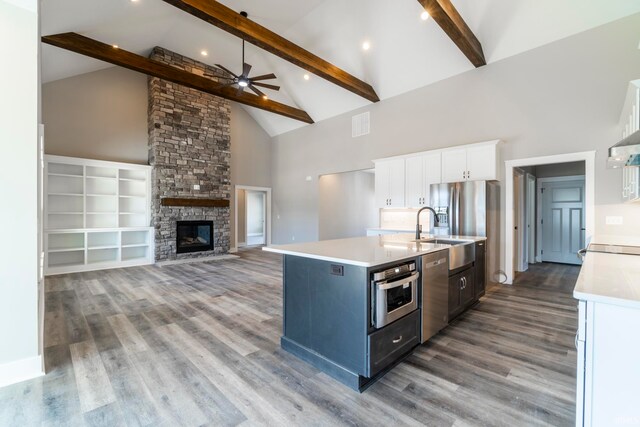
(352, 262)
(602, 299)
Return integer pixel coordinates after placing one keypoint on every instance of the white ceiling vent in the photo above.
(360, 125)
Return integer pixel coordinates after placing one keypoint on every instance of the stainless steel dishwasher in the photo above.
(435, 293)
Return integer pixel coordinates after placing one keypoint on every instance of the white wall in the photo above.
(19, 42)
(100, 115)
(347, 205)
(250, 157)
(560, 98)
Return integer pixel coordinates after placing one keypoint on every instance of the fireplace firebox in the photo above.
(194, 236)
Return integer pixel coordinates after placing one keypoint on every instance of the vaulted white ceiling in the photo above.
(406, 53)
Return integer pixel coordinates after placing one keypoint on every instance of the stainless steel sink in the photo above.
(461, 252)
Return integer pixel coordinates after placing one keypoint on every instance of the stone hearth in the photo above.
(189, 144)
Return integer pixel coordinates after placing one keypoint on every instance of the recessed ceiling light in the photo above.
(265, 97)
(204, 53)
(307, 76)
(424, 15)
(366, 45)
(115, 46)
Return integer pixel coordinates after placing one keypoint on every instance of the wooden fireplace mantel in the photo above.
(199, 203)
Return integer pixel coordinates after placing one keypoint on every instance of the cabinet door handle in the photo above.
(468, 174)
(397, 340)
(575, 342)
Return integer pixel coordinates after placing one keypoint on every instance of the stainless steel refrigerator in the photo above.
(471, 208)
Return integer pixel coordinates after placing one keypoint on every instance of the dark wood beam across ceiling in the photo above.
(104, 52)
(232, 22)
(448, 18)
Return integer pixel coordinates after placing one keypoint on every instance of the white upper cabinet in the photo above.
(631, 183)
(472, 163)
(405, 181)
(390, 183)
(454, 165)
(421, 171)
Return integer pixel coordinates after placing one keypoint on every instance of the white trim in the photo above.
(530, 204)
(589, 157)
(30, 5)
(235, 211)
(562, 178)
(21, 370)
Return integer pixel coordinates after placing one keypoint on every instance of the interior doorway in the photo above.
(252, 216)
(549, 210)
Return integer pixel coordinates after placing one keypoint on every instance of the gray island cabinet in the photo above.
(353, 307)
(327, 321)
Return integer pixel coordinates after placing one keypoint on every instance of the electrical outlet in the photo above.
(614, 220)
(196, 186)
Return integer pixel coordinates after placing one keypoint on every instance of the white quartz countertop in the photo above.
(368, 251)
(610, 278)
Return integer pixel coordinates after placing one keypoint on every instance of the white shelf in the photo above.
(57, 250)
(65, 213)
(98, 215)
(65, 175)
(66, 194)
(93, 248)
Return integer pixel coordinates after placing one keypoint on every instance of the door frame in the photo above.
(588, 157)
(531, 217)
(539, 205)
(519, 210)
(266, 190)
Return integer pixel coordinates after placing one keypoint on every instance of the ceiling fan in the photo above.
(243, 80)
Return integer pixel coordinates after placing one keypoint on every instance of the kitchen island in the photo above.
(330, 292)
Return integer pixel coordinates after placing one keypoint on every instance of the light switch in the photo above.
(613, 220)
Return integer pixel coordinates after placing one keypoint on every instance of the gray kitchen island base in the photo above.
(328, 323)
(337, 372)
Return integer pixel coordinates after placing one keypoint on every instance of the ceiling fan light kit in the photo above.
(243, 80)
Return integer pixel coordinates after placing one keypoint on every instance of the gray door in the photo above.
(562, 221)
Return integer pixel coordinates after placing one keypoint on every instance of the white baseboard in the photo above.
(21, 370)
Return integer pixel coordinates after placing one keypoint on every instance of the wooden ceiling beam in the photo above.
(85, 46)
(232, 22)
(448, 18)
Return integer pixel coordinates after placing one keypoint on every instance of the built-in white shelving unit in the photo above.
(97, 215)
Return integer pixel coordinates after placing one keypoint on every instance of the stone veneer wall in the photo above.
(189, 143)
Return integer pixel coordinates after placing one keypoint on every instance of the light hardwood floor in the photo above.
(198, 344)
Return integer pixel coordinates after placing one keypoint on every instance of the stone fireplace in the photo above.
(189, 150)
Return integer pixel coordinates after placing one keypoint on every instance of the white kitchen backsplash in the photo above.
(398, 219)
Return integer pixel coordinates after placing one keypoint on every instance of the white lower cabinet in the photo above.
(608, 374)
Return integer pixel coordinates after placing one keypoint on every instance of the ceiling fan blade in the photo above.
(246, 68)
(257, 91)
(272, 87)
(226, 70)
(263, 77)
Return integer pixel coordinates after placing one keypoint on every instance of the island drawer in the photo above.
(391, 342)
